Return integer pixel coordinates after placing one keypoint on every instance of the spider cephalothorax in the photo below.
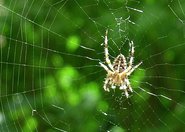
(119, 71)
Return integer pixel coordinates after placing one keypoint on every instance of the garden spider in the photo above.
(119, 71)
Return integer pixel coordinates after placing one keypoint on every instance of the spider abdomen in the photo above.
(119, 63)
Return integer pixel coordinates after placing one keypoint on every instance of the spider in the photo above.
(119, 71)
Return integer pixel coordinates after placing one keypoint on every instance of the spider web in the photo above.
(50, 77)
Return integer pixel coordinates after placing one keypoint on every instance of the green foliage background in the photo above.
(48, 83)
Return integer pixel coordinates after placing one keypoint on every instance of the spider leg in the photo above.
(128, 84)
(107, 52)
(113, 86)
(130, 72)
(105, 85)
(107, 78)
(104, 66)
(123, 86)
(132, 54)
(131, 58)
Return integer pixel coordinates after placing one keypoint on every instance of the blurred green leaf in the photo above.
(117, 129)
(72, 43)
(31, 125)
(66, 76)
